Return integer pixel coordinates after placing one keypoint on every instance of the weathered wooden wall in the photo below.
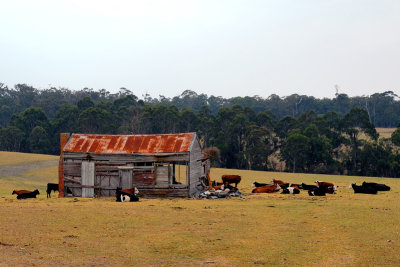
(148, 179)
(195, 165)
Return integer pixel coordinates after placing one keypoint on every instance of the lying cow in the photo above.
(279, 182)
(325, 184)
(284, 186)
(19, 192)
(255, 184)
(317, 192)
(28, 195)
(267, 189)
(290, 190)
(308, 187)
(126, 195)
(216, 185)
(363, 189)
(329, 188)
(378, 187)
(296, 185)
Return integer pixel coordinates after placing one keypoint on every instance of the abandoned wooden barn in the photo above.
(94, 165)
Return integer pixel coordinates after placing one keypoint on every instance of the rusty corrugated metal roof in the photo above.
(149, 143)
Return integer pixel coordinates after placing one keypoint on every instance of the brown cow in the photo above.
(19, 192)
(231, 179)
(320, 183)
(132, 191)
(280, 182)
(266, 189)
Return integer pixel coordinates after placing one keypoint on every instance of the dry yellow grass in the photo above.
(7, 158)
(271, 230)
(385, 132)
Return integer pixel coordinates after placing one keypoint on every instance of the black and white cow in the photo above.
(299, 186)
(130, 196)
(290, 190)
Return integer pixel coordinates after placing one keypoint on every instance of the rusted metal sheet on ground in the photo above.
(163, 192)
(152, 143)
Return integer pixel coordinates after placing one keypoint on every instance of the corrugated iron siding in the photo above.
(152, 143)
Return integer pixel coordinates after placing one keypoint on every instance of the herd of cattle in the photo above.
(319, 189)
(24, 194)
(228, 187)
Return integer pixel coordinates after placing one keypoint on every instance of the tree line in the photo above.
(245, 134)
(383, 108)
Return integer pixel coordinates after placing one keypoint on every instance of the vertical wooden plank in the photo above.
(88, 178)
(125, 175)
(63, 141)
(162, 177)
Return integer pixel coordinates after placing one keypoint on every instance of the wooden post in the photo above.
(63, 141)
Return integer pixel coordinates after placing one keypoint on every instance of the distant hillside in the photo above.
(296, 133)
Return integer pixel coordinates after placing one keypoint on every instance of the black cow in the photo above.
(284, 186)
(28, 195)
(328, 189)
(255, 184)
(363, 189)
(317, 192)
(51, 187)
(308, 187)
(378, 187)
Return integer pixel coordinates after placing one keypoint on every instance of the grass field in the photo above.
(271, 230)
(385, 132)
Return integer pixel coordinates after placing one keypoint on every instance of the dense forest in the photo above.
(296, 133)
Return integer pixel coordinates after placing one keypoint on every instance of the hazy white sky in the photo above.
(227, 48)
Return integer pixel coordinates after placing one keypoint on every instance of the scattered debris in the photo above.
(71, 236)
(223, 192)
(5, 244)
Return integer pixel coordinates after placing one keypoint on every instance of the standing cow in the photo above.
(231, 179)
